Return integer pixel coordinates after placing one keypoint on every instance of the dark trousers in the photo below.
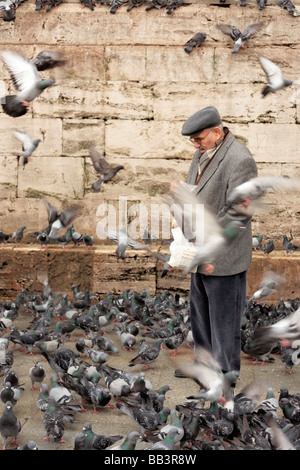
(216, 307)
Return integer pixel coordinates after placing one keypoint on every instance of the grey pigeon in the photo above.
(288, 246)
(103, 168)
(148, 355)
(88, 241)
(115, 4)
(167, 444)
(256, 241)
(87, 3)
(148, 420)
(30, 445)
(48, 59)
(135, 4)
(10, 425)
(59, 219)
(269, 404)
(261, 4)
(94, 441)
(175, 423)
(26, 80)
(17, 236)
(207, 372)
(11, 394)
(156, 4)
(268, 247)
(129, 442)
(8, 10)
(240, 37)
(37, 374)
(249, 194)
(274, 76)
(194, 42)
(53, 420)
(173, 5)
(127, 339)
(28, 145)
(289, 6)
(123, 241)
(267, 285)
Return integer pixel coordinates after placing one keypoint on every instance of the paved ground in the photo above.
(111, 421)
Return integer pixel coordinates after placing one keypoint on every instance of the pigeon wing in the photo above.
(23, 73)
(230, 30)
(99, 161)
(251, 30)
(272, 71)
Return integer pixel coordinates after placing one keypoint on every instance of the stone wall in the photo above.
(127, 89)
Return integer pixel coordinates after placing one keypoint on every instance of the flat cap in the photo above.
(203, 119)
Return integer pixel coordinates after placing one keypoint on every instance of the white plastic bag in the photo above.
(182, 251)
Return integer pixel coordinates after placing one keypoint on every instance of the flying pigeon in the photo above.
(194, 42)
(123, 241)
(205, 234)
(103, 168)
(48, 59)
(207, 372)
(59, 220)
(28, 145)
(26, 80)
(289, 6)
(248, 194)
(274, 75)
(267, 285)
(240, 37)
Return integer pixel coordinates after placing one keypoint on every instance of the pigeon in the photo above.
(267, 337)
(209, 240)
(207, 372)
(279, 438)
(123, 241)
(247, 399)
(267, 286)
(17, 236)
(274, 76)
(115, 4)
(11, 394)
(288, 246)
(105, 343)
(8, 10)
(194, 42)
(269, 404)
(53, 420)
(173, 5)
(268, 247)
(134, 4)
(26, 80)
(10, 425)
(28, 145)
(290, 410)
(147, 355)
(59, 220)
(148, 420)
(290, 357)
(88, 3)
(127, 339)
(129, 442)
(88, 241)
(60, 360)
(256, 241)
(289, 6)
(103, 168)
(156, 4)
(261, 4)
(4, 237)
(94, 441)
(175, 423)
(37, 374)
(30, 445)
(251, 192)
(164, 258)
(240, 37)
(167, 444)
(48, 59)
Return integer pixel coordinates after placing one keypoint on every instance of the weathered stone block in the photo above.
(51, 175)
(80, 134)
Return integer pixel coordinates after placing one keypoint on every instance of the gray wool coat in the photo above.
(232, 165)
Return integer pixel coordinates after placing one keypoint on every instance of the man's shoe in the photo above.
(180, 374)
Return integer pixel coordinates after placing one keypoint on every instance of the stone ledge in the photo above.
(100, 271)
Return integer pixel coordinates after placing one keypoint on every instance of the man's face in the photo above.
(206, 139)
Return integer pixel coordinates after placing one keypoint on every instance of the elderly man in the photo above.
(217, 301)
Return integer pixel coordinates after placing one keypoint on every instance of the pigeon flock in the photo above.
(73, 342)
